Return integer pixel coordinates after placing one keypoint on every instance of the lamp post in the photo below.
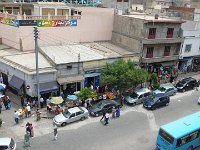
(36, 62)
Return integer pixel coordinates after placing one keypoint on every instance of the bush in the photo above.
(156, 85)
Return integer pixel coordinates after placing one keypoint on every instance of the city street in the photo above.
(135, 129)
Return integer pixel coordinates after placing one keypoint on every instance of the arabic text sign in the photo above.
(27, 23)
(56, 23)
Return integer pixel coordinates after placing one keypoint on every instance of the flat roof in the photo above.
(88, 52)
(183, 126)
(24, 60)
(151, 18)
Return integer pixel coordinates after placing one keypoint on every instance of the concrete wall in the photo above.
(159, 50)
(161, 29)
(96, 24)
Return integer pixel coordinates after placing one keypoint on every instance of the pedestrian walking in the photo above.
(27, 142)
(41, 102)
(104, 113)
(16, 116)
(106, 118)
(31, 129)
(28, 109)
(55, 132)
(122, 101)
(5, 102)
(113, 112)
(118, 112)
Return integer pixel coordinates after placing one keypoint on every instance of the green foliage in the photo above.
(156, 85)
(122, 74)
(86, 93)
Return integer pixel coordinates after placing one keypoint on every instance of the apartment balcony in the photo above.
(162, 41)
(160, 59)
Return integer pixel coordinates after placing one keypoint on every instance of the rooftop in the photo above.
(151, 18)
(24, 61)
(88, 52)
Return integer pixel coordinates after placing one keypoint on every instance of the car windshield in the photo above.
(181, 83)
(66, 114)
(134, 95)
(153, 99)
(162, 89)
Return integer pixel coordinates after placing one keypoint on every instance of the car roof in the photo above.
(5, 141)
(159, 95)
(108, 102)
(142, 91)
(188, 79)
(167, 86)
(74, 110)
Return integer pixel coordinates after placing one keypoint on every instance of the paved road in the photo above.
(136, 129)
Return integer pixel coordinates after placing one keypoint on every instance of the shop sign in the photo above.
(38, 23)
(27, 23)
(56, 23)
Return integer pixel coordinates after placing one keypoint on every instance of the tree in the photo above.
(86, 93)
(122, 75)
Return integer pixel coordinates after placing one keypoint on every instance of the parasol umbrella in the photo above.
(2, 86)
(72, 97)
(56, 100)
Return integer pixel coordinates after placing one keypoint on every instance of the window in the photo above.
(79, 113)
(141, 96)
(119, 0)
(69, 66)
(152, 33)
(187, 138)
(167, 51)
(166, 136)
(149, 52)
(147, 94)
(72, 115)
(170, 32)
(125, 0)
(188, 47)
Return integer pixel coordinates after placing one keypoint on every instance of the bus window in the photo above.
(166, 136)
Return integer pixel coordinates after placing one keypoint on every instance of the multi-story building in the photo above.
(157, 40)
(190, 52)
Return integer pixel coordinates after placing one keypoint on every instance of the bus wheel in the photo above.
(190, 148)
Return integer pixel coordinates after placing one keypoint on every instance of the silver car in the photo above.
(7, 144)
(71, 115)
(138, 96)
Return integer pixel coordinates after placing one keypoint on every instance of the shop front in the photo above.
(17, 85)
(92, 78)
(185, 64)
(70, 84)
(196, 63)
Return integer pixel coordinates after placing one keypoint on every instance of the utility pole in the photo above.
(36, 62)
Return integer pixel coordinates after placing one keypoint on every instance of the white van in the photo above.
(7, 144)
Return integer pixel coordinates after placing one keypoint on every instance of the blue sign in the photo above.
(73, 23)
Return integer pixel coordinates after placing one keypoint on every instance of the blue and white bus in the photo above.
(182, 134)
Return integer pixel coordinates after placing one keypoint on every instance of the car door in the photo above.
(170, 91)
(79, 114)
(72, 117)
(140, 98)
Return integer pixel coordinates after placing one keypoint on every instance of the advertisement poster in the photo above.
(27, 22)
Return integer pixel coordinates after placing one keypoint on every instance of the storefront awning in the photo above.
(16, 82)
(48, 87)
(70, 79)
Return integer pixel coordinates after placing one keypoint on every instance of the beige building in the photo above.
(157, 40)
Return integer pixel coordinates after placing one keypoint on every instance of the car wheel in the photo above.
(96, 114)
(64, 124)
(190, 148)
(183, 90)
(134, 104)
(167, 104)
(82, 118)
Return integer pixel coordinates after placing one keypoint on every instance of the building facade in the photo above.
(157, 40)
(190, 52)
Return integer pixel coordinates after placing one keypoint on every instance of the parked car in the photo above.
(167, 89)
(156, 101)
(187, 84)
(7, 144)
(71, 115)
(138, 96)
(103, 106)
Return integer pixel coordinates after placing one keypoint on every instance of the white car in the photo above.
(71, 115)
(7, 144)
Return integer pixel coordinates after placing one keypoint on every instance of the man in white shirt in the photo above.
(106, 118)
(29, 110)
(16, 115)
